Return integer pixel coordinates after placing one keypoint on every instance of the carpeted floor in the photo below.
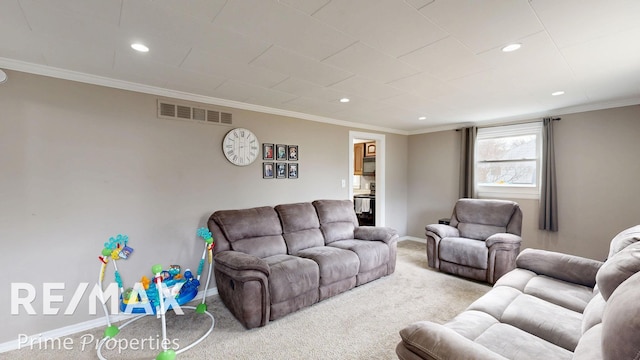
(362, 323)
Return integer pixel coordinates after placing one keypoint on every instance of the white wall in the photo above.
(597, 173)
(81, 163)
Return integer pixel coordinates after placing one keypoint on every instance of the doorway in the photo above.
(361, 184)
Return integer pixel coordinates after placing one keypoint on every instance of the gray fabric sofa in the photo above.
(272, 261)
(480, 242)
(552, 306)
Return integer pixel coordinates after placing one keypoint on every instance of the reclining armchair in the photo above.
(480, 242)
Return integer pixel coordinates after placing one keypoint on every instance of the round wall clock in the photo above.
(240, 146)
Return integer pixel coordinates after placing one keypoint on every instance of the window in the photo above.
(507, 161)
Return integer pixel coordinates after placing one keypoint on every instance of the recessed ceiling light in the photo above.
(344, 100)
(3, 76)
(422, 118)
(139, 47)
(557, 93)
(512, 47)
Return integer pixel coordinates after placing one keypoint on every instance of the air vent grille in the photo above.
(213, 116)
(225, 118)
(184, 112)
(199, 114)
(168, 110)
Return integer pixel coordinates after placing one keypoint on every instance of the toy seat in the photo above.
(170, 289)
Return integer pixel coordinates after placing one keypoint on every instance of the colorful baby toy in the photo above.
(169, 289)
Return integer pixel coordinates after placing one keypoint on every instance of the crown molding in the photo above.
(154, 90)
(44, 70)
(532, 116)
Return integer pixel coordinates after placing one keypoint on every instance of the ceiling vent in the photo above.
(169, 110)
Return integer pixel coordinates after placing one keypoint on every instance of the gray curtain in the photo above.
(467, 151)
(548, 218)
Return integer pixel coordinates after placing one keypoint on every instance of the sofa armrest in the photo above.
(571, 268)
(503, 238)
(240, 261)
(433, 341)
(442, 231)
(376, 233)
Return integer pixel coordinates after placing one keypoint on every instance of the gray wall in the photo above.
(597, 173)
(81, 163)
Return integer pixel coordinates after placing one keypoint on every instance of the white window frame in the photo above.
(511, 191)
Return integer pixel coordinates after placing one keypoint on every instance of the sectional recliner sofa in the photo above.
(552, 306)
(272, 261)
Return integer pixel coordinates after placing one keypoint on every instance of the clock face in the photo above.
(240, 146)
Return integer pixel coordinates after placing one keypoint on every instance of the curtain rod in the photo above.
(526, 122)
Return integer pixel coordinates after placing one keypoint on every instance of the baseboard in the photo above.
(412, 238)
(80, 327)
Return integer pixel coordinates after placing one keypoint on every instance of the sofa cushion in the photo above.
(545, 320)
(590, 345)
(468, 252)
(335, 264)
(496, 301)
(337, 219)
(516, 278)
(513, 343)
(618, 268)
(429, 340)
(623, 239)
(371, 254)
(621, 322)
(479, 231)
(471, 323)
(592, 314)
(479, 219)
(300, 226)
(255, 231)
(568, 295)
(291, 276)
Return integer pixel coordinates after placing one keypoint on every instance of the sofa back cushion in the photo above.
(256, 231)
(617, 269)
(593, 312)
(481, 218)
(300, 226)
(621, 322)
(624, 239)
(338, 219)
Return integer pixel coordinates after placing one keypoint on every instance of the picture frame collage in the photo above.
(281, 161)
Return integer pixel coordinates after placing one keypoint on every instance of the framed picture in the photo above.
(281, 170)
(293, 152)
(267, 151)
(293, 170)
(267, 170)
(281, 152)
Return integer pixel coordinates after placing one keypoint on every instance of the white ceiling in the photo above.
(396, 60)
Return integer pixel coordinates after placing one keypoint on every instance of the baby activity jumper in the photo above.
(167, 289)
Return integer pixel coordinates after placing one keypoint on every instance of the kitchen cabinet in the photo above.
(358, 158)
(370, 149)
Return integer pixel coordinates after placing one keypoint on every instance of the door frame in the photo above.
(380, 170)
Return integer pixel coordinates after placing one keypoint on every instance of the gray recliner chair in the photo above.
(480, 242)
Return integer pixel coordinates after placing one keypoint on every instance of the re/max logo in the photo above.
(24, 294)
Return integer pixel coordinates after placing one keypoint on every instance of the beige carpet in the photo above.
(362, 323)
